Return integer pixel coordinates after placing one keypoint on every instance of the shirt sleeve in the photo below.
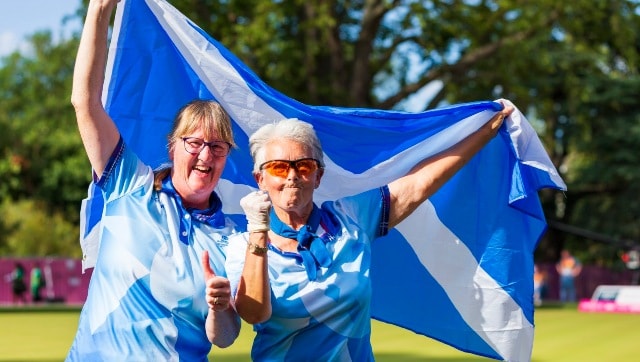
(236, 252)
(124, 173)
(368, 210)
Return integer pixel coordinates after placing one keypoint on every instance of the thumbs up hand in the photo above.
(218, 289)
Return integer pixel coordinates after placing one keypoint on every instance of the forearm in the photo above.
(88, 75)
(439, 169)
(253, 299)
(222, 327)
(429, 175)
(97, 130)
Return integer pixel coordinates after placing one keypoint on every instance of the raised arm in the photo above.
(98, 131)
(253, 298)
(424, 179)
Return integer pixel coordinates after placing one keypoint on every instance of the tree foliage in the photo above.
(41, 156)
(31, 230)
(40, 138)
(571, 67)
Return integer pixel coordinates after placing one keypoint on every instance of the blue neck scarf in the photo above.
(311, 247)
(212, 216)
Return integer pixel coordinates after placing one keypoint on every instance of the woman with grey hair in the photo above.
(300, 274)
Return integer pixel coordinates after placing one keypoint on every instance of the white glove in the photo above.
(256, 206)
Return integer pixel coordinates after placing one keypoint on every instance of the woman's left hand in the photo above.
(498, 119)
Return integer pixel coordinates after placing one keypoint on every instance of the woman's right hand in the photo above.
(256, 206)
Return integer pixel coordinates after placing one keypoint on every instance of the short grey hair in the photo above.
(291, 129)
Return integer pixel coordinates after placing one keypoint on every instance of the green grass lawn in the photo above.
(562, 334)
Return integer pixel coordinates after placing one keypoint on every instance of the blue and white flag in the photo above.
(459, 269)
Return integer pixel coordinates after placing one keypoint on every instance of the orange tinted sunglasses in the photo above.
(280, 168)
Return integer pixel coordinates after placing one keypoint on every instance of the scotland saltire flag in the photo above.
(459, 270)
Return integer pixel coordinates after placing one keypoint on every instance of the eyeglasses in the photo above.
(194, 146)
(280, 168)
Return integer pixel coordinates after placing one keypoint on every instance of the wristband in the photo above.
(257, 228)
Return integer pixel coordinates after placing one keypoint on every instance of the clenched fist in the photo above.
(256, 206)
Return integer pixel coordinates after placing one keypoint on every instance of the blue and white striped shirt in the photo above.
(146, 299)
(327, 319)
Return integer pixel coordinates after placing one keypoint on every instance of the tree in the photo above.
(34, 231)
(43, 167)
(605, 175)
(42, 154)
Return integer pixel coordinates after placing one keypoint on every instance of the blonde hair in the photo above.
(207, 115)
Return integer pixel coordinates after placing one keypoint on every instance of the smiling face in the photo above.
(194, 176)
(291, 196)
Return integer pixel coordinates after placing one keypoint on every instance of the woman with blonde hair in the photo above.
(158, 291)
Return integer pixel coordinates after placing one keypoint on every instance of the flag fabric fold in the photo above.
(459, 269)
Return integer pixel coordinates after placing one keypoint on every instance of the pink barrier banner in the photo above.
(65, 282)
(599, 306)
(613, 299)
